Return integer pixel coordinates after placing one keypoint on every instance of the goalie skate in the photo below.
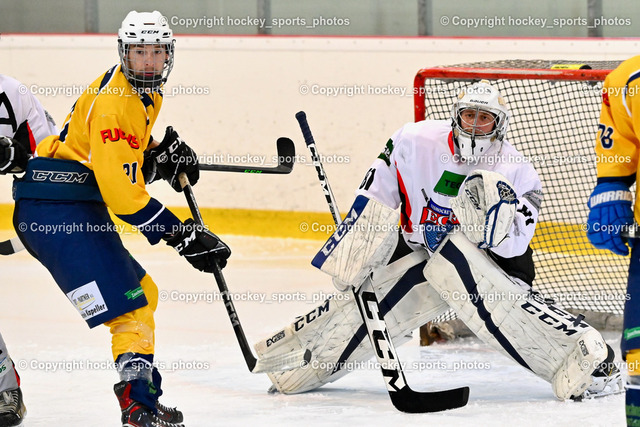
(606, 380)
(603, 387)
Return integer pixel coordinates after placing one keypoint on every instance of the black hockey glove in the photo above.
(149, 169)
(13, 156)
(172, 157)
(199, 246)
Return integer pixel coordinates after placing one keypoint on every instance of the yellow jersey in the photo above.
(108, 130)
(618, 137)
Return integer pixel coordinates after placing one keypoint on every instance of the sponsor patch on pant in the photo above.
(88, 300)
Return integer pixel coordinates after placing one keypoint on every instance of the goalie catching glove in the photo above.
(169, 159)
(199, 246)
(485, 208)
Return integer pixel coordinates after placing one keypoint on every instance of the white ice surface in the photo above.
(204, 372)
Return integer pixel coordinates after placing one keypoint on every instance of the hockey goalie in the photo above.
(468, 206)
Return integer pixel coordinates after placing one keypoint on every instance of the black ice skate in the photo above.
(135, 414)
(171, 415)
(12, 409)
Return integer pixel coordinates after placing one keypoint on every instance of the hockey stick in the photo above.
(11, 246)
(286, 156)
(402, 396)
(268, 364)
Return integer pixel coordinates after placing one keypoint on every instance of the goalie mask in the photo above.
(479, 120)
(145, 45)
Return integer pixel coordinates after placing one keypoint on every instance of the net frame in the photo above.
(555, 106)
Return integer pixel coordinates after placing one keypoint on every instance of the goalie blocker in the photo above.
(413, 289)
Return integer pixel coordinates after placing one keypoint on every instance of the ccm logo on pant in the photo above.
(60, 177)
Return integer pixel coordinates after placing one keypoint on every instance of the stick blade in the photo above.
(6, 248)
(286, 158)
(11, 246)
(286, 153)
(415, 402)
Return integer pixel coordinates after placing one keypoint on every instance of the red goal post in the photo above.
(554, 107)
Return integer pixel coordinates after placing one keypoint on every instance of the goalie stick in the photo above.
(402, 396)
(286, 156)
(271, 364)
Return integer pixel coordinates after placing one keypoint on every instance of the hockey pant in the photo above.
(412, 291)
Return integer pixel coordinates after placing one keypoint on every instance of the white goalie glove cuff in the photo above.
(485, 208)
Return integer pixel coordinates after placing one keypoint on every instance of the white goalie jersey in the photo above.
(420, 172)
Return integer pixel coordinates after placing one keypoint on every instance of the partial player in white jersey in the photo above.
(469, 204)
(23, 124)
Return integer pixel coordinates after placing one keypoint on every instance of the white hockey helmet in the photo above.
(145, 28)
(470, 139)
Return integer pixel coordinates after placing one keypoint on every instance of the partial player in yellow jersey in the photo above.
(103, 158)
(611, 204)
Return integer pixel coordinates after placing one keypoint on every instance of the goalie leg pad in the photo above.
(549, 341)
(336, 334)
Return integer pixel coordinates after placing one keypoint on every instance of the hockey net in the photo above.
(554, 108)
